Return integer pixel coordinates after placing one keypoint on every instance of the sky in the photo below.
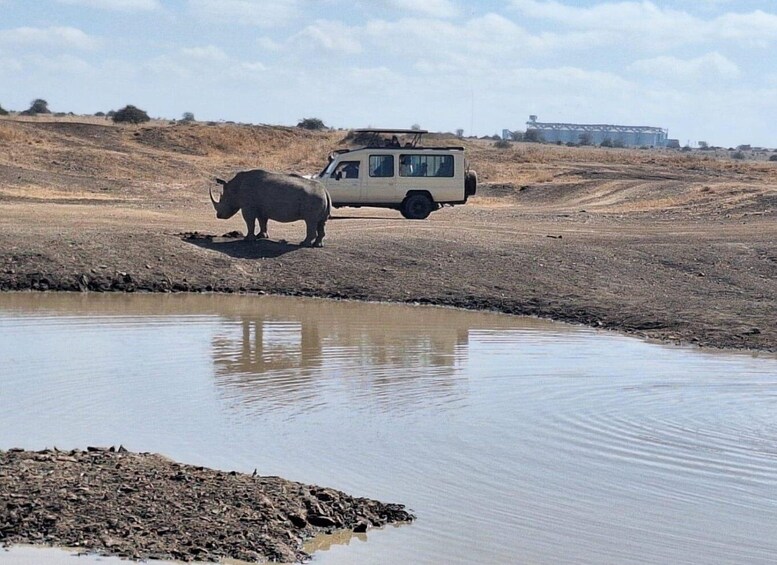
(704, 69)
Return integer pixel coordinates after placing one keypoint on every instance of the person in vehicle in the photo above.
(405, 167)
(351, 170)
(394, 141)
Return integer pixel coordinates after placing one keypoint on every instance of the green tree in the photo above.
(130, 115)
(311, 123)
(187, 117)
(37, 106)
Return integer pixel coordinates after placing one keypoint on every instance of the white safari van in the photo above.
(390, 169)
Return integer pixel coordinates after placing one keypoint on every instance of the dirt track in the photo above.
(678, 248)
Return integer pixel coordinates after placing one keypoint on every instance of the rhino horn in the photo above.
(215, 203)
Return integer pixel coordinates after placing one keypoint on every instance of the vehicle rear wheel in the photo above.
(417, 207)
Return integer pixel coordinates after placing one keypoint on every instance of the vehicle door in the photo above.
(381, 184)
(345, 182)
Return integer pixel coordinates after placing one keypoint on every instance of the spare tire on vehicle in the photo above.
(470, 183)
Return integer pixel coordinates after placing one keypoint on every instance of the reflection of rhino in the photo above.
(262, 195)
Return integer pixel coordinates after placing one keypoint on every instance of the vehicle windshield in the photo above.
(326, 171)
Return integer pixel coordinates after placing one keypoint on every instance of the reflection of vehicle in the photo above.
(387, 172)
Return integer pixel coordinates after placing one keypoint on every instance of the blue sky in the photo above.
(705, 69)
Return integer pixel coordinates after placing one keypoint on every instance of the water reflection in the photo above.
(513, 440)
(290, 352)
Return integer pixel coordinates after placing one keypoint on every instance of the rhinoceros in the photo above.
(263, 195)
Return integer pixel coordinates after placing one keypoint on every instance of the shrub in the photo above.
(739, 155)
(187, 117)
(3, 111)
(534, 135)
(773, 157)
(311, 123)
(586, 138)
(460, 133)
(686, 148)
(130, 115)
(37, 106)
(502, 144)
(99, 114)
(606, 142)
(415, 127)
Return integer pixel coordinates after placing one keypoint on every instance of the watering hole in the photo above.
(513, 440)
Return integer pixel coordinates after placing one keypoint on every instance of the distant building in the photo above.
(596, 134)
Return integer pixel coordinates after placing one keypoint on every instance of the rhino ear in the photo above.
(221, 182)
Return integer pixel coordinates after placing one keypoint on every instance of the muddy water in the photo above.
(513, 440)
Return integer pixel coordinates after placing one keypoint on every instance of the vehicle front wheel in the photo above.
(417, 207)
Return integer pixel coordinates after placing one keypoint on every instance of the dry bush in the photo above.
(9, 134)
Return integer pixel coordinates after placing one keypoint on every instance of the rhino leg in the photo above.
(320, 234)
(250, 225)
(311, 234)
(263, 228)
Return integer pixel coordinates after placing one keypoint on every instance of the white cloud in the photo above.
(61, 64)
(712, 65)
(269, 44)
(754, 27)
(190, 63)
(639, 22)
(266, 14)
(433, 8)
(51, 36)
(209, 53)
(8, 64)
(116, 5)
(332, 36)
(646, 24)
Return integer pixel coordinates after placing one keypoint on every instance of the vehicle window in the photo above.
(381, 165)
(328, 169)
(425, 165)
(346, 170)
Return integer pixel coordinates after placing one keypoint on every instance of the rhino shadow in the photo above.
(241, 249)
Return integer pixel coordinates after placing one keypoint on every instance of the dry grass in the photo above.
(88, 156)
(9, 134)
(49, 118)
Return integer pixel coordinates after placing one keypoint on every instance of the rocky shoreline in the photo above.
(145, 506)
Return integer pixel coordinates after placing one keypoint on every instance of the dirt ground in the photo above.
(661, 244)
(144, 506)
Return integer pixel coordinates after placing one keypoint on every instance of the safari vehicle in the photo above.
(390, 169)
